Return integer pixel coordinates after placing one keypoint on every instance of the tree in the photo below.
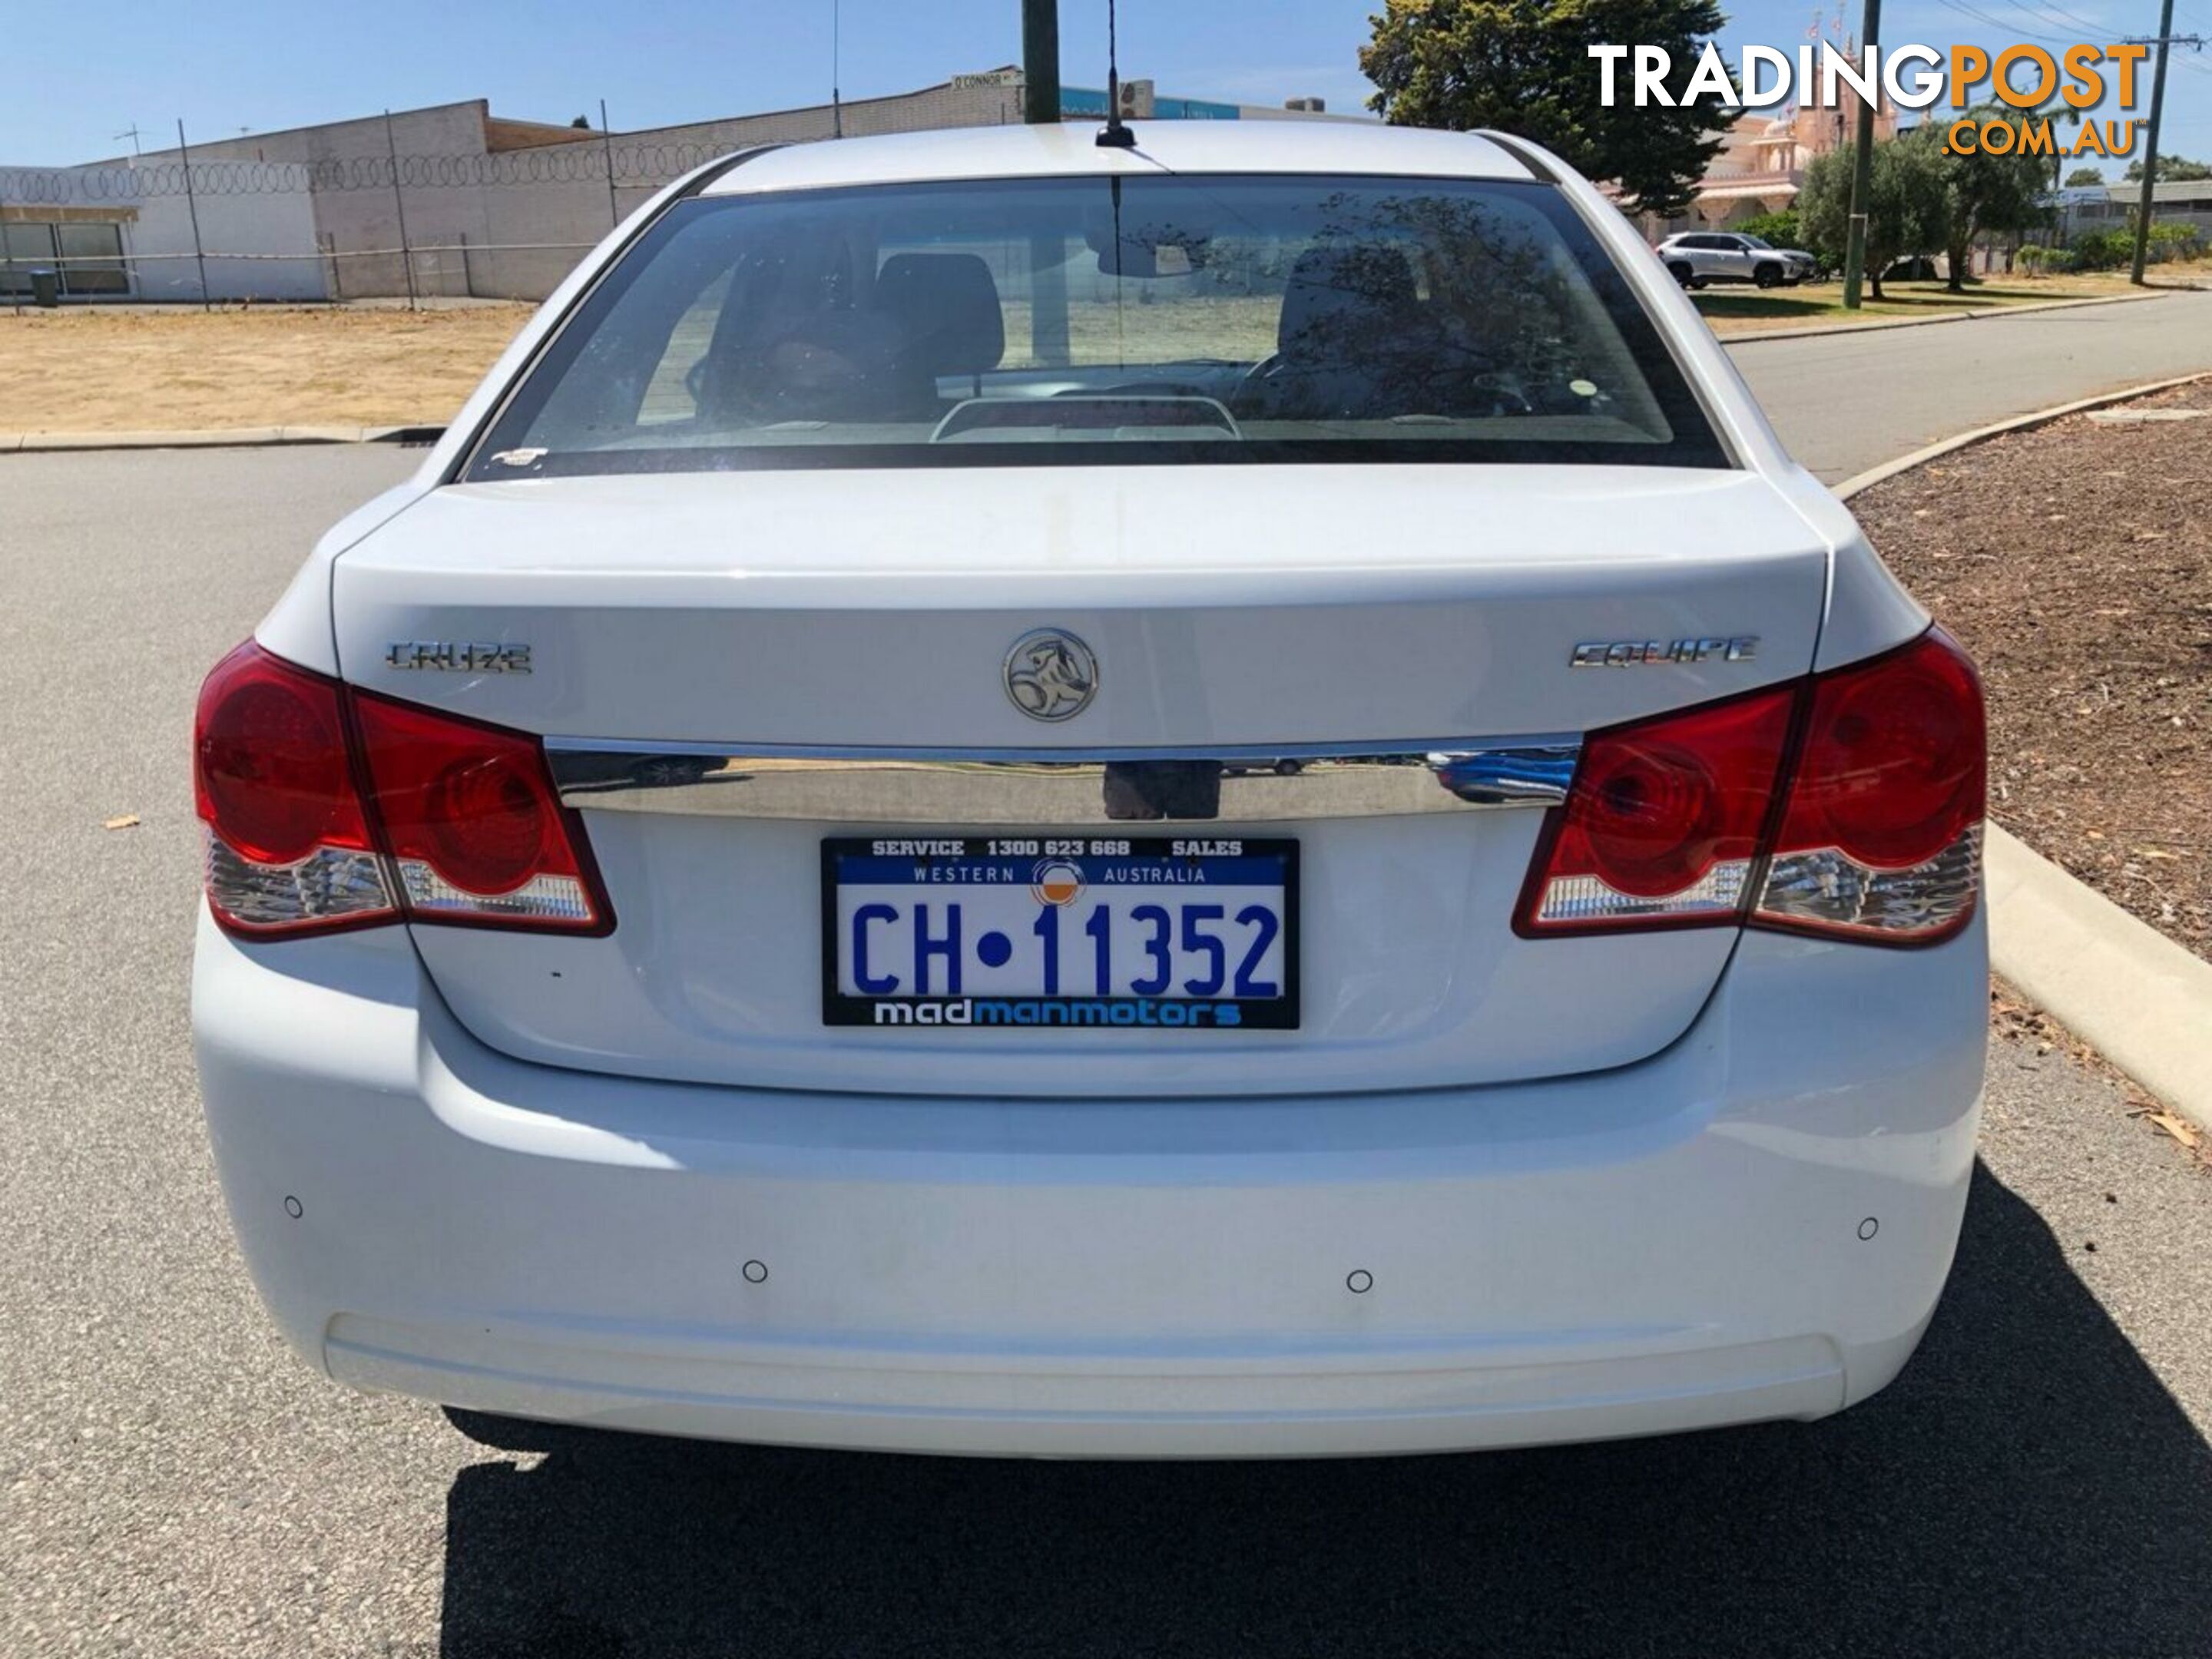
(2171, 170)
(1986, 192)
(583, 122)
(1908, 206)
(2084, 176)
(1524, 66)
(1783, 229)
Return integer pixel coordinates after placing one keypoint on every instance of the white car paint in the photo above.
(1497, 1190)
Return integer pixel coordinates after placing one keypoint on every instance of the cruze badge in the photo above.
(1051, 675)
(1651, 653)
(457, 657)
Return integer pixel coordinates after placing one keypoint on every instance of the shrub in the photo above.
(2104, 249)
(2176, 241)
(2109, 250)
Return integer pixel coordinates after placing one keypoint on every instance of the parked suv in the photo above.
(1699, 257)
(1004, 795)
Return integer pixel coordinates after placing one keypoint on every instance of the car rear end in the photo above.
(978, 814)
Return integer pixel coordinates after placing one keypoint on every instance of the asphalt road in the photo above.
(172, 1482)
(1847, 401)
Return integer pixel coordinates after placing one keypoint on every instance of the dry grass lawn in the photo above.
(164, 370)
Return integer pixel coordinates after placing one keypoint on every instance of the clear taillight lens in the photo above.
(473, 826)
(1881, 837)
(1847, 804)
(288, 847)
(327, 809)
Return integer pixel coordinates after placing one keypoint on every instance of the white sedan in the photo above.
(1006, 795)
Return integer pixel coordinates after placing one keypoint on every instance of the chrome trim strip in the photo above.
(1044, 787)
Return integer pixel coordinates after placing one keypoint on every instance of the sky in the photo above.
(73, 87)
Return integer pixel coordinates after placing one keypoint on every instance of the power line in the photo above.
(2046, 10)
(1983, 18)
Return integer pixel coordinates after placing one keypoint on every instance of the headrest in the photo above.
(1344, 299)
(949, 306)
(822, 366)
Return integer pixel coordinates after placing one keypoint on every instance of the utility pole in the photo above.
(1862, 177)
(2150, 158)
(399, 209)
(607, 144)
(192, 207)
(1041, 61)
(836, 53)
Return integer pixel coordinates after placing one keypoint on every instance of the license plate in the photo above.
(1105, 932)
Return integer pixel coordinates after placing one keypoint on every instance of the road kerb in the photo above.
(1810, 331)
(1887, 470)
(228, 437)
(2132, 993)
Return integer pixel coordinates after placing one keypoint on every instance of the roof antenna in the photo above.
(1113, 135)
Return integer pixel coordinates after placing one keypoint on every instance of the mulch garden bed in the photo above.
(2074, 561)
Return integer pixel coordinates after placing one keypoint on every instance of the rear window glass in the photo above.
(1106, 321)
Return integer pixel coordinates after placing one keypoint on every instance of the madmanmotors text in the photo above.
(1057, 1011)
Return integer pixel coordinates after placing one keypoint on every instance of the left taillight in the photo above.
(327, 810)
(288, 847)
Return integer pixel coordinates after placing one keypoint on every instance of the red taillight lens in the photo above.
(1882, 838)
(1662, 825)
(472, 822)
(1893, 765)
(288, 847)
(461, 824)
(1682, 820)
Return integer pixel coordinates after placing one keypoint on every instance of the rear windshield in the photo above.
(1106, 321)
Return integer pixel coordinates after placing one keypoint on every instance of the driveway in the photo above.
(172, 1482)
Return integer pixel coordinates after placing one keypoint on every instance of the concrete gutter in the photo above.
(1811, 330)
(2136, 997)
(216, 438)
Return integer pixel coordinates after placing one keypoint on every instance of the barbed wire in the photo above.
(559, 164)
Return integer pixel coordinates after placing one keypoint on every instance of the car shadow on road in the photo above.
(2026, 1488)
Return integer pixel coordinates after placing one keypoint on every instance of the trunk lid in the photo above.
(1230, 608)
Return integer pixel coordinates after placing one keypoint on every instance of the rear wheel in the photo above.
(1680, 270)
(1767, 276)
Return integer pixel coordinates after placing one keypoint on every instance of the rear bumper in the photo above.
(1671, 1245)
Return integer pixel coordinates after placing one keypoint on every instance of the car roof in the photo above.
(1020, 151)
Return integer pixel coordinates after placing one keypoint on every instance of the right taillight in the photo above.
(1881, 837)
(1848, 804)
(328, 809)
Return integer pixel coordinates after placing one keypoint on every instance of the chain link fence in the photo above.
(581, 162)
(438, 201)
(501, 224)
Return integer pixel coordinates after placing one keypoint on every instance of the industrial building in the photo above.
(482, 204)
